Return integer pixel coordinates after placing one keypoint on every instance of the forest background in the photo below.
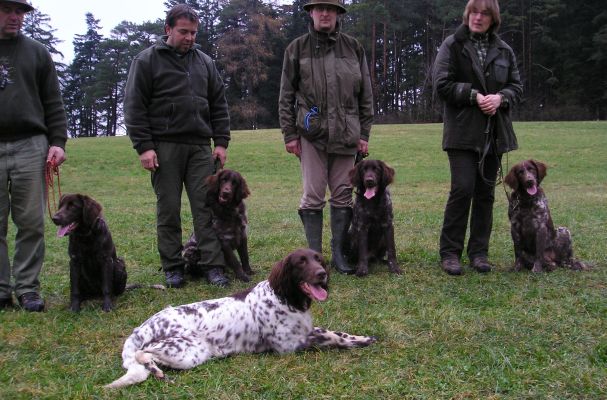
(561, 49)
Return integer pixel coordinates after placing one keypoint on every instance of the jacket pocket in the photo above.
(352, 130)
(161, 116)
(309, 123)
(500, 69)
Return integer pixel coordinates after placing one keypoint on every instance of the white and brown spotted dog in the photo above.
(272, 316)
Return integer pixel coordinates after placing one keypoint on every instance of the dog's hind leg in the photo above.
(135, 373)
(176, 353)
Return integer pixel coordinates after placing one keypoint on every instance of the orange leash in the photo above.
(52, 171)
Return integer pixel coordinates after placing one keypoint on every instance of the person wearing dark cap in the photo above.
(33, 131)
(174, 108)
(326, 112)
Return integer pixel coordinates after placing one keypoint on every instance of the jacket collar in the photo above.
(325, 37)
(162, 45)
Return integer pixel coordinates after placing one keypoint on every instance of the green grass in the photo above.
(503, 335)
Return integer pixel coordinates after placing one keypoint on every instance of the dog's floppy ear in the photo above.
(387, 175)
(91, 210)
(541, 170)
(243, 190)
(355, 174)
(212, 182)
(511, 179)
(281, 277)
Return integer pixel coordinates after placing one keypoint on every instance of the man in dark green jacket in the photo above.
(33, 131)
(174, 107)
(326, 112)
(476, 76)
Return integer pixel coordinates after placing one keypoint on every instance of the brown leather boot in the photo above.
(451, 265)
(480, 264)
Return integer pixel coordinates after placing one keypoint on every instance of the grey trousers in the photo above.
(23, 196)
(183, 165)
(319, 170)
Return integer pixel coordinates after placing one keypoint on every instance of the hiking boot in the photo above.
(6, 303)
(216, 277)
(31, 302)
(480, 264)
(451, 265)
(174, 279)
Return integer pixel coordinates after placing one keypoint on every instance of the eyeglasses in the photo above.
(484, 13)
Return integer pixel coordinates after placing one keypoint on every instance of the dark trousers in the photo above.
(470, 197)
(183, 165)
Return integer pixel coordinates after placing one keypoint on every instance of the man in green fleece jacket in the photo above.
(174, 106)
(33, 131)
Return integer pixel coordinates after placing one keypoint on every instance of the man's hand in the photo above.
(149, 160)
(363, 146)
(220, 152)
(294, 147)
(489, 104)
(55, 155)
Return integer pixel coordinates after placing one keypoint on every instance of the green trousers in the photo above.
(183, 165)
(23, 196)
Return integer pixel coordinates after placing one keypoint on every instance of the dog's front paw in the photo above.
(75, 305)
(537, 267)
(394, 268)
(107, 306)
(362, 270)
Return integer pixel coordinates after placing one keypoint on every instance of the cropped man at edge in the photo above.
(33, 131)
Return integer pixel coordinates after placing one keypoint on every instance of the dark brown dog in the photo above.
(226, 191)
(372, 231)
(537, 244)
(95, 270)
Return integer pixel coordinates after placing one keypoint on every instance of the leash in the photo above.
(52, 172)
(490, 144)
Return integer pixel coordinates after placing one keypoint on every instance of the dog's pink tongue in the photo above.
(318, 293)
(63, 230)
(66, 229)
(315, 292)
(532, 190)
(370, 192)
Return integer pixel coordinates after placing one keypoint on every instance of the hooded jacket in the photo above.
(328, 72)
(175, 98)
(457, 71)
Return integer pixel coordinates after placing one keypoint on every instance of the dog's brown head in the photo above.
(526, 176)
(76, 211)
(371, 177)
(227, 187)
(300, 278)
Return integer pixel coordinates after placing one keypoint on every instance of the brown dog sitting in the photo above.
(95, 270)
(537, 244)
(226, 191)
(371, 234)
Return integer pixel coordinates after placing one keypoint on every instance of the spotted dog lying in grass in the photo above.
(272, 316)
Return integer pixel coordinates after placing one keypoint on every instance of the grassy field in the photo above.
(502, 335)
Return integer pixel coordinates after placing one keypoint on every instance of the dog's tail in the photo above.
(132, 286)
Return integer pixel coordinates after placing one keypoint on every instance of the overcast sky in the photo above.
(68, 16)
